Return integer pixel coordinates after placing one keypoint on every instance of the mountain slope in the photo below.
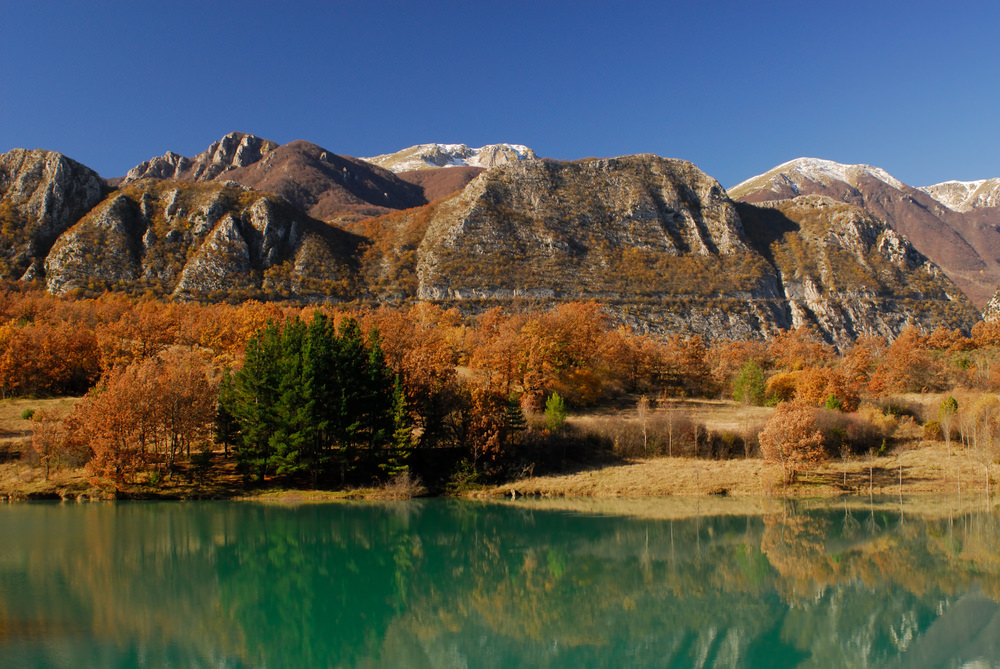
(42, 194)
(965, 196)
(661, 245)
(323, 184)
(966, 245)
(205, 241)
(847, 273)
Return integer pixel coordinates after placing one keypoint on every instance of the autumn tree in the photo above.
(139, 418)
(947, 411)
(792, 439)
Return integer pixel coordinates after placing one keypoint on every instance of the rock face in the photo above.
(431, 156)
(964, 241)
(848, 274)
(233, 151)
(323, 184)
(42, 194)
(661, 244)
(201, 240)
(541, 228)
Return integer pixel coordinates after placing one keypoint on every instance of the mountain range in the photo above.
(955, 224)
(847, 250)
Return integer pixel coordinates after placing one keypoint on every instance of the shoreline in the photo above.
(926, 470)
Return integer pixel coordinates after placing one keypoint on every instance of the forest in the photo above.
(335, 396)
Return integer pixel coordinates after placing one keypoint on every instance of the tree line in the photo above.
(346, 394)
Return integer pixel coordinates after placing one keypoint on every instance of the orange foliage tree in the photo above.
(141, 417)
(792, 439)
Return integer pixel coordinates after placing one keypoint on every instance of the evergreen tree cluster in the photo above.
(314, 399)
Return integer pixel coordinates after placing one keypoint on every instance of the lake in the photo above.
(445, 583)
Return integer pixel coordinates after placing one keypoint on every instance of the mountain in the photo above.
(846, 273)
(965, 244)
(323, 184)
(437, 184)
(966, 196)
(665, 249)
(42, 194)
(430, 156)
(659, 243)
(204, 241)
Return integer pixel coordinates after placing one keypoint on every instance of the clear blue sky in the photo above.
(735, 87)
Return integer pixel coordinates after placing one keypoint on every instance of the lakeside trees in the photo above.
(354, 395)
(314, 399)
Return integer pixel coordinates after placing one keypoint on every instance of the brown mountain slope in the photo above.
(323, 184)
(966, 245)
(439, 183)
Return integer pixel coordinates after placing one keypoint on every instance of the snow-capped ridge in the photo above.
(820, 171)
(964, 196)
(429, 156)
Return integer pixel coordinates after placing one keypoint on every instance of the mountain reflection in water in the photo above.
(440, 583)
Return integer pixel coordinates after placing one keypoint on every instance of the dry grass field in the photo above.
(913, 468)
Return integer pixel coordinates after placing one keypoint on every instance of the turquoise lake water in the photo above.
(442, 583)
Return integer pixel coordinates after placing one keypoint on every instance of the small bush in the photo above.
(27, 414)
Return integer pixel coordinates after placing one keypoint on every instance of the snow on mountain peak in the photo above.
(426, 156)
(966, 195)
(792, 173)
(826, 171)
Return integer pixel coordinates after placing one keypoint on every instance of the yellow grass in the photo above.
(926, 469)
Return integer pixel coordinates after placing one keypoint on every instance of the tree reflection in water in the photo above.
(442, 583)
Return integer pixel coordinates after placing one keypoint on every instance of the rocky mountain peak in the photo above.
(965, 196)
(795, 174)
(964, 243)
(233, 151)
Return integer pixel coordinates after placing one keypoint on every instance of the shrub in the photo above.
(555, 412)
(749, 386)
(792, 439)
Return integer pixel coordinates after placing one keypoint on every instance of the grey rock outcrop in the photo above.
(201, 241)
(42, 194)
(233, 151)
(598, 227)
(953, 224)
(847, 273)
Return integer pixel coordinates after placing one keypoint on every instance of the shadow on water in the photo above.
(440, 583)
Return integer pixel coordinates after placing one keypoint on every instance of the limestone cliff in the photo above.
(42, 194)
(202, 241)
(953, 224)
(847, 273)
(662, 246)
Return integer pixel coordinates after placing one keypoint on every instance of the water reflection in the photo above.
(448, 584)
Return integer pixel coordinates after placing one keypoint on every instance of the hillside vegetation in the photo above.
(464, 400)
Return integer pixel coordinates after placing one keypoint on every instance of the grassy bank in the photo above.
(911, 467)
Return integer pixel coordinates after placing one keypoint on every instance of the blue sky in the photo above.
(735, 87)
